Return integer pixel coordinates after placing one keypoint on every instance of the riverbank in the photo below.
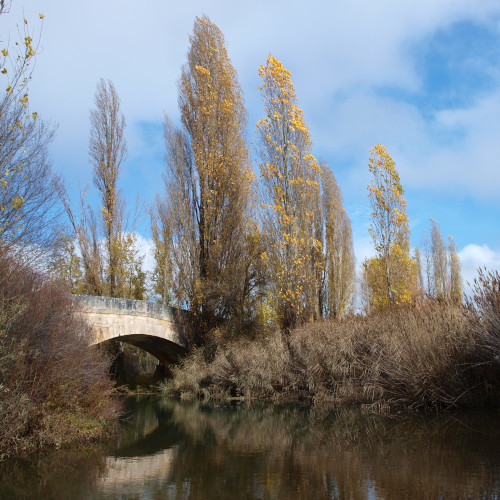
(54, 386)
(431, 356)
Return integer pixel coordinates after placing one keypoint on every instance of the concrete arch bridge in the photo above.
(157, 329)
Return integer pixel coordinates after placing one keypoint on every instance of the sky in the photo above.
(421, 77)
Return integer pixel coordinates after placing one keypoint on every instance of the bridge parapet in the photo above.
(132, 307)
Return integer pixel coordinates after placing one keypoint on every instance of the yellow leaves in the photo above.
(385, 191)
(4, 71)
(298, 124)
(275, 75)
(41, 16)
(265, 257)
(392, 274)
(9, 89)
(17, 202)
(290, 174)
(5, 52)
(202, 70)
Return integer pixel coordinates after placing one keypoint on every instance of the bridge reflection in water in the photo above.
(300, 452)
(145, 453)
(134, 475)
(157, 329)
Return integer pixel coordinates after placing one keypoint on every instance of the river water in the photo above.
(167, 449)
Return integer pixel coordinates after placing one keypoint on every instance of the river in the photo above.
(167, 449)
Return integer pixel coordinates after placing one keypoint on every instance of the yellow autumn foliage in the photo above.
(392, 273)
(290, 177)
(206, 218)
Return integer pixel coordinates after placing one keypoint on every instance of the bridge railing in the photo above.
(131, 307)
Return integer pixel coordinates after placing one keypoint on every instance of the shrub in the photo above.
(484, 303)
(51, 378)
(437, 354)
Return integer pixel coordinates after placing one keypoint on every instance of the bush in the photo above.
(434, 355)
(485, 306)
(54, 386)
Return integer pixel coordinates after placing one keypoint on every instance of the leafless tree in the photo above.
(339, 282)
(444, 280)
(107, 150)
(29, 206)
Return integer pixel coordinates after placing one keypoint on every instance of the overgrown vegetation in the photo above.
(54, 387)
(438, 354)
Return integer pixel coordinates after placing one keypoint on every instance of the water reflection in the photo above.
(173, 450)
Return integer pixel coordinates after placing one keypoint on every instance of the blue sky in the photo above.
(421, 77)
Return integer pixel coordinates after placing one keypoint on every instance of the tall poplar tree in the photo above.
(444, 279)
(107, 150)
(392, 273)
(418, 271)
(290, 178)
(339, 260)
(161, 232)
(208, 183)
(112, 265)
(455, 271)
(439, 285)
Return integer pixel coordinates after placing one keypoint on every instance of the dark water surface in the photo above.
(173, 450)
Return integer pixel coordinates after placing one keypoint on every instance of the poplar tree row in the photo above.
(278, 249)
(229, 247)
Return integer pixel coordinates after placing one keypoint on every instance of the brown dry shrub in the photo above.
(258, 368)
(404, 357)
(484, 304)
(436, 354)
(54, 385)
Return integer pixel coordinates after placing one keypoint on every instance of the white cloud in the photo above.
(468, 165)
(463, 166)
(145, 248)
(474, 256)
(330, 48)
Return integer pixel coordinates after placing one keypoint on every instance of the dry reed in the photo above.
(434, 355)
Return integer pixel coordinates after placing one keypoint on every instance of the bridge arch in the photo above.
(157, 329)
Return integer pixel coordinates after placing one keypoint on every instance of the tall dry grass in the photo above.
(435, 355)
(54, 386)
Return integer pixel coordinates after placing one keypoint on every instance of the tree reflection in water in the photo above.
(169, 449)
